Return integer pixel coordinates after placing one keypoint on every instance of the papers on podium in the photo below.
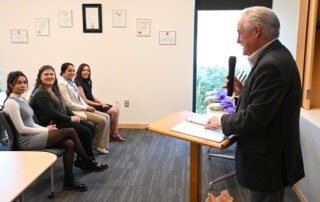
(195, 126)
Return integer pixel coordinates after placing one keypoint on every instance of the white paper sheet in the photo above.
(199, 131)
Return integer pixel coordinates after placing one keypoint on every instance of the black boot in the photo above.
(72, 185)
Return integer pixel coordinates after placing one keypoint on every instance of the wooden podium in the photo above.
(164, 126)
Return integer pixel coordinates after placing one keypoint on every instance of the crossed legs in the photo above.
(67, 139)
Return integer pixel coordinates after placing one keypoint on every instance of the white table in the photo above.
(18, 169)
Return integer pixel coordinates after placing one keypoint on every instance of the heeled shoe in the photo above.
(101, 150)
(91, 165)
(117, 138)
(73, 185)
(98, 166)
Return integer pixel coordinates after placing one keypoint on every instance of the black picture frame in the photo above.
(96, 27)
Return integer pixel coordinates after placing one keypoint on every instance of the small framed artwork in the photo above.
(167, 37)
(92, 18)
(42, 26)
(19, 36)
(143, 27)
(118, 18)
(65, 18)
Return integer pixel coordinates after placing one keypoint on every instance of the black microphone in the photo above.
(232, 66)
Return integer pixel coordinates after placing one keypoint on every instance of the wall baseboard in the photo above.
(133, 125)
(299, 193)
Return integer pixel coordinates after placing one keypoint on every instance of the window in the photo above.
(216, 41)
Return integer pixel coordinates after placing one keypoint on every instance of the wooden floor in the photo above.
(148, 167)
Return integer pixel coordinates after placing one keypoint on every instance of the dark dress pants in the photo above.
(260, 196)
(85, 133)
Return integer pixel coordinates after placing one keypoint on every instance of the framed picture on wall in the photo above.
(143, 27)
(92, 18)
(167, 37)
(118, 18)
(42, 26)
(19, 36)
(65, 18)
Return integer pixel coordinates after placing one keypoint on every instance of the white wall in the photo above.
(157, 80)
(310, 139)
(288, 14)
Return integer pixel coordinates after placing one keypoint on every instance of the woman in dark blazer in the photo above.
(49, 109)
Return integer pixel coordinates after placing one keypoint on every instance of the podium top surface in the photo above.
(165, 124)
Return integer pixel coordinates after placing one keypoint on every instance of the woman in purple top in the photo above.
(84, 84)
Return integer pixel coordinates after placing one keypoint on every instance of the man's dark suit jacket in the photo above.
(268, 153)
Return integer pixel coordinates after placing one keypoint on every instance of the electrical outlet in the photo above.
(126, 103)
(117, 103)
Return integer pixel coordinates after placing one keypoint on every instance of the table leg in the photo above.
(195, 172)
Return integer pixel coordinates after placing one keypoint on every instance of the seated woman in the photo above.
(46, 102)
(72, 99)
(32, 136)
(84, 84)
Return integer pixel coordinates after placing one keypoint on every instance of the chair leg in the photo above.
(51, 194)
(219, 155)
(222, 178)
(222, 156)
(21, 197)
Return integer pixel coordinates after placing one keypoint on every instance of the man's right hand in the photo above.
(237, 86)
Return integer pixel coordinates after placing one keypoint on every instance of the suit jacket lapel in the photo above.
(70, 87)
(272, 46)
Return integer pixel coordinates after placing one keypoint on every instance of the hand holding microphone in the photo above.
(233, 84)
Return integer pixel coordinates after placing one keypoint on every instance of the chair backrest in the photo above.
(11, 131)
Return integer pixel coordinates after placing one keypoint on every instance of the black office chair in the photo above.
(12, 133)
(223, 177)
(228, 175)
(3, 137)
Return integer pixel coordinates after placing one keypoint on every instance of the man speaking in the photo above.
(268, 153)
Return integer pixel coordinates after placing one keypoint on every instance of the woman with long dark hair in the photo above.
(84, 84)
(50, 108)
(33, 136)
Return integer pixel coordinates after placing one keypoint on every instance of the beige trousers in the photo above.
(102, 123)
